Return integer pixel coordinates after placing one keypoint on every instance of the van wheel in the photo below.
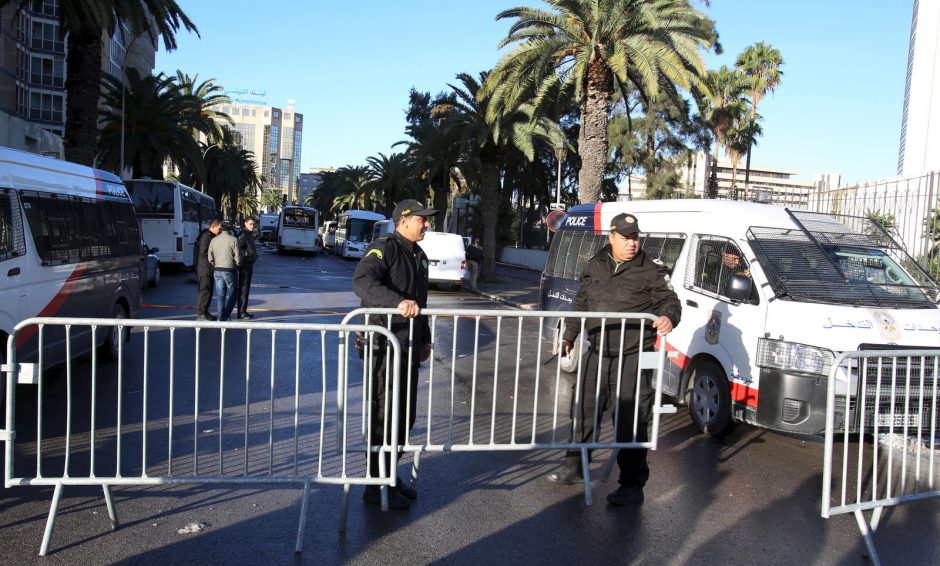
(710, 399)
(110, 348)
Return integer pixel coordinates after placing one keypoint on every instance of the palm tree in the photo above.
(591, 47)
(230, 176)
(84, 21)
(740, 138)
(352, 189)
(205, 98)
(271, 200)
(156, 123)
(485, 140)
(393, 179)
(722, 104)
(761, 64)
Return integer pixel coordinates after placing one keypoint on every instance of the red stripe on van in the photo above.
(55, 304)
(674, 355)
(598, 227)
(741, 393)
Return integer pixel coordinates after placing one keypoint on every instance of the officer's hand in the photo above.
(566, 347)
(425, 353)
(408, 309)
(663, 325)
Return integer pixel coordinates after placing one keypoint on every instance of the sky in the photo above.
(350, 65)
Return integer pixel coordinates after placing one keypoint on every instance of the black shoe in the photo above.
(205, 317)
(626, 496)
(566, 476)
(245, 316)
(406, 490)
(373, 496)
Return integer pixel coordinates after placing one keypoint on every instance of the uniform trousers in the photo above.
(634, 470)
(381, 397)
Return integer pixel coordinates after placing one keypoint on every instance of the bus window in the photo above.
(153, 199)
(190, 203)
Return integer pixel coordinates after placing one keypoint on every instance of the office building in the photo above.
(274, 135)
(33, 73)
(920, 121)
(771, 184)
(310, 182)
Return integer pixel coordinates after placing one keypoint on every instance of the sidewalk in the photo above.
(514, 286)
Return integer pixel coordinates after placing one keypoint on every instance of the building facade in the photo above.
(310, 182)
(772, 184)
(274, 135)
(33, 71)
(920, 121)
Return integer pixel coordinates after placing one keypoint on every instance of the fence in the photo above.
(882, 420)
(206, 403)
(909, 208)
(463, 406)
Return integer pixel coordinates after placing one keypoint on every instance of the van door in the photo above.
(13, 264)
(726, 329)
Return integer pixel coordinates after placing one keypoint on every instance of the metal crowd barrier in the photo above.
(209, 403)
(882, 423)
(465, 403)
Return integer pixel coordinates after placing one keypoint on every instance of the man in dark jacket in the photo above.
(622, 279)
(249, 253)
(394, 273)
(204, 269)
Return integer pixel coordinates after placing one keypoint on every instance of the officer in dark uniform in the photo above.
(620, 278)
(394, 273)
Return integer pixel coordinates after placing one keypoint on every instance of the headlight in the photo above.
(790, 356)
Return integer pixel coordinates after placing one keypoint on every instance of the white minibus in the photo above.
(770, 296)
(329, 235)
(70, 246)
(354, 232)
(297, 229)
(171, 216)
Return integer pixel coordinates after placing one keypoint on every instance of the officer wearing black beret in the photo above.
(620, 278)
(393, 273)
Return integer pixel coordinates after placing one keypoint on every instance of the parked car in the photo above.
(151, 265)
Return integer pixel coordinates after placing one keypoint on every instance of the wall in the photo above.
(533, 259)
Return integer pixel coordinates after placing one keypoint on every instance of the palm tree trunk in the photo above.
(489, 207)
(592, 137)
(83, 90)
(441, 194)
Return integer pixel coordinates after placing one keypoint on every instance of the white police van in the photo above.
(769, 295)
(447, 256)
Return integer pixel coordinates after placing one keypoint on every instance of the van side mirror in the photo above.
(739, 288)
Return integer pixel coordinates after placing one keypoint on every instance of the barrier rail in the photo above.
(464, 406)
(882, 410)
(195, 403)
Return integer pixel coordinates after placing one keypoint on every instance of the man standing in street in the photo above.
(249, 254)
(620, 278)
(225, 259)
(474, 259)
(394, 274)
(204, 268)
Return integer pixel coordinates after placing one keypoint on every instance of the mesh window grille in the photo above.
(12, 239)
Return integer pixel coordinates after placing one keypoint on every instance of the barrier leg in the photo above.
(299, 547)
(414, 468)
(112, 510)
(609, 465)
(586, 474)
(344, 512)
(50, 522)
(866, 534)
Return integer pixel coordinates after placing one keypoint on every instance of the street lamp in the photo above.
(127, 49)
(560, 152)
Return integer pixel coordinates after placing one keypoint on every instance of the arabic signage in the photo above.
(247, 96)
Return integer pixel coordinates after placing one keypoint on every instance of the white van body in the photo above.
(447, 257)
(354, 232)
(297, 229)
(329, 235)
(267, 226)
(819, 285)
(70, 246)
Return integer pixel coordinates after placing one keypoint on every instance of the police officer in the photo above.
(394, 273)
(620, 278)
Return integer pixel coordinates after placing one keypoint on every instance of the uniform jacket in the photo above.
(201, 254)
(223, 252)
(391, 271)
(639, 286)
(247, 248)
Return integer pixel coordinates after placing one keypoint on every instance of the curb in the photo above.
(501, 299)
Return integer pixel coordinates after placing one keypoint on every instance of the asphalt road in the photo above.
(752, 497)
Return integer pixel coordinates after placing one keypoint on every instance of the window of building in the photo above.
(236, 112)
(46, 36)
(47, 7)
(287, 116)
(265, 113)
(47, 71)
(253, 113)
(46, 106)
(276, 114)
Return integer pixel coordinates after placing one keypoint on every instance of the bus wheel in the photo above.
(710, 399)
(110, 348)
